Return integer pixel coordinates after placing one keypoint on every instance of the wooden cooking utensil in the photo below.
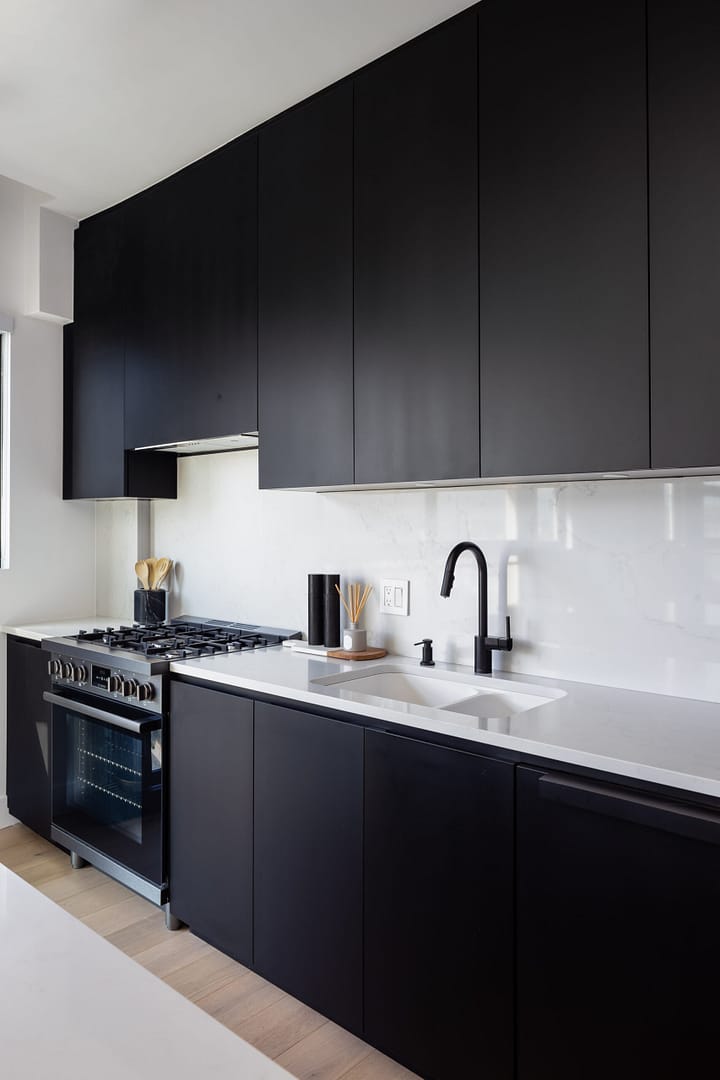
(162, 569)
(143, 572)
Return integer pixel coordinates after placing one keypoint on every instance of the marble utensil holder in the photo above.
(150, 606)
(354, 640)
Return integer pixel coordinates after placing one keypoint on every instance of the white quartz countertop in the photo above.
(64, 627)
(73, 1007)
(652, 737)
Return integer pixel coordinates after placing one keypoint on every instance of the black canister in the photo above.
(150, 606)
(316, 609)
(332, 611)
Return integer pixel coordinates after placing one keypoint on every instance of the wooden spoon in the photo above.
(162, 569)
(152, 571)
(143, 571)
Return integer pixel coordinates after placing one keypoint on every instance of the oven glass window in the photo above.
(105, 776)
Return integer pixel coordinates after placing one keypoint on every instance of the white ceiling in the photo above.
(101, 98)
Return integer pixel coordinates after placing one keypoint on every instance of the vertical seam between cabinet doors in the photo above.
(647, 224)
(515, 956)
(477, 207)
(362, 888)
(252, 836)
(353, 198)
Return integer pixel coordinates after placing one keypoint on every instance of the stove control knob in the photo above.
(79, 674)
(67, 671)
(54, 667)
(114, 684)
(129, 687)
(145, 692)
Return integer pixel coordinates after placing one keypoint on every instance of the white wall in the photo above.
(51, 572)
(613, 582)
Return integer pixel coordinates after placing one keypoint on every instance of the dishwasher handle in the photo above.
(694, 823)
(127, 723)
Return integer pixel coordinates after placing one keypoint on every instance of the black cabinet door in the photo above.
(684, 126)
(95, 360)
(438, 908)
(191, 369)
(563, 238)
(416, 255)
(305, 343)
(618, 937)
(96, 464)
(308, 859)
(210, 802)
(28, 735)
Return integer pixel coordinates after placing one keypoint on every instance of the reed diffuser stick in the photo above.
(355, 602)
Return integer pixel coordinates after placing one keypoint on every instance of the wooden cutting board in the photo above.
(366, 654)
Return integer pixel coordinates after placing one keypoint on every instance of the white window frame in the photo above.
(6, 328)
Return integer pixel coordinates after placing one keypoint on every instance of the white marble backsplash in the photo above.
(615, 582)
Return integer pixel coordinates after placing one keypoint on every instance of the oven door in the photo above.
(107, 781)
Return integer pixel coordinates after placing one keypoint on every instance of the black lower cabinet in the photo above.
(439, 908)
(210, 836)
(618, 937)
(28, 735)
(308, 859)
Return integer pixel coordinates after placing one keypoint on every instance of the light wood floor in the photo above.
(299, 1039)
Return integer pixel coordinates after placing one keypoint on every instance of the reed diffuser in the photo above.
(354, 640)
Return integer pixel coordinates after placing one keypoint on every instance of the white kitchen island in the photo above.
(73, 1007)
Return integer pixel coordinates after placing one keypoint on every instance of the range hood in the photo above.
(246, 441)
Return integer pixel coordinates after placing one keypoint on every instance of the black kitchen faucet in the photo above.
(484, 645)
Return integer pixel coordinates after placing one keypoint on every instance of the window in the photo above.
(5, 331)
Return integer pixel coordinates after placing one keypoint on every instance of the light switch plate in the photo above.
(394, 596)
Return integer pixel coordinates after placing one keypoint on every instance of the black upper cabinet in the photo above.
(439, 908)
(305, 327)
(563, 237)
(618, 937)
(28, 735)
(191, 367)
(96, 465)
(684, 125)
(308, 859)
(416, 255)
(211, 809)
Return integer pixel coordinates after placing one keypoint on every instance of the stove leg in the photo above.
(76, 861)
(171, 921)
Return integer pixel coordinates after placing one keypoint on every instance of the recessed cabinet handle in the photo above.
(693, 823)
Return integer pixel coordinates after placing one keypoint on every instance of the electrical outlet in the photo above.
(395, 597)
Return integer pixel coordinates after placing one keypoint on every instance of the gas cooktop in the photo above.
(184, 638)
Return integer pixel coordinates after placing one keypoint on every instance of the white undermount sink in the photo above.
(475, 696)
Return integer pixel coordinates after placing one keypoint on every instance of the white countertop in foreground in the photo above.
(653, 737)
(73, 1007)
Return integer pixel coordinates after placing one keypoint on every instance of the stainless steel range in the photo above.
(109, 698)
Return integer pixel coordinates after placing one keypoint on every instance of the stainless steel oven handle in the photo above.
(138, 726)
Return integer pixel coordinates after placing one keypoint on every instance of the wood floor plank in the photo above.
(240, 999)
(40, 869)
(15, 834)
(141, 935)
(202, 976)
(326, 1054)
(280, 1026)
(175, 951)
(378, 1067)
(90, 900)
(118, 916)
(74, 883)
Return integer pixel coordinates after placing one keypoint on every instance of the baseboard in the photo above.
(6, 817)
